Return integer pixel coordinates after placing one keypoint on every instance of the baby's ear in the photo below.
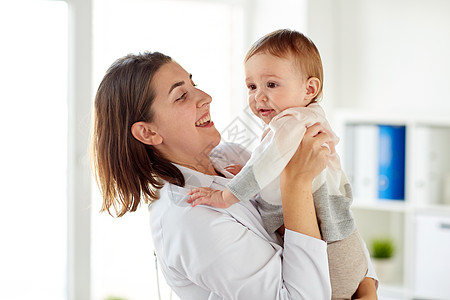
(312, 87)
(145, 133)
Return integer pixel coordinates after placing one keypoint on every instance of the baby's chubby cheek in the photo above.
(252, 106)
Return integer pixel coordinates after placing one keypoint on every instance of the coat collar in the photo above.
(196, 179)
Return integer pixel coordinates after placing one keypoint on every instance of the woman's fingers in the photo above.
(318, 139)
(326, 146)
(314, 129)
(311, 156)
(317, 132)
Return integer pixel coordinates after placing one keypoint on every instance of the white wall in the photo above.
(322, 18)
(268, 16)
(385, 54)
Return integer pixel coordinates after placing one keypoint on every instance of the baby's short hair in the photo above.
(286, 43)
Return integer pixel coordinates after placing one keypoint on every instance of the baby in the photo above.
(284, 78)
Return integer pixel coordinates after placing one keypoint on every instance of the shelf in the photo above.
(443, 209)
(350, 116)
(401, 206)
(382, 205)
(419, 224)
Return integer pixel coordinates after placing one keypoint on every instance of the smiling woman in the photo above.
(193, 131)
(156, 141)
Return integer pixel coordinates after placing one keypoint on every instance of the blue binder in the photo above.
(391, 162)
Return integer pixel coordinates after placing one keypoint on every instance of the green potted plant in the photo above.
(382, 257)
(382, 248)
(114, 298)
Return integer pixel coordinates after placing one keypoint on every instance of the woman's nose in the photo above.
(203, 99)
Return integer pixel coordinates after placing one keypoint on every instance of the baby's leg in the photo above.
(348, 265)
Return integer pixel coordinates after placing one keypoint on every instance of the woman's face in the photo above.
(181, 116)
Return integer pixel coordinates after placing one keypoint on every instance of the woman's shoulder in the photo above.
(174, 214)
(177, 225)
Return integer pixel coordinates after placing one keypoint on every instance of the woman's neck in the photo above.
(204, 167)
(199, 162)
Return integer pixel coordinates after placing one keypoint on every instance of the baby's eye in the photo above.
(251, 87)
(272, 84)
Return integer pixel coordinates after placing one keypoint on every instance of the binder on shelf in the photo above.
(391, 162)
(424, 187)
(363, 170)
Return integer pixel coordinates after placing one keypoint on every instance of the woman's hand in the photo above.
(296, 180)
(310, 158)
(366, 290)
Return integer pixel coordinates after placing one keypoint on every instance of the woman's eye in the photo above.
(272, 84)
(182, 97)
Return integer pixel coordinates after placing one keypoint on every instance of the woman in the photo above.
(154, 140)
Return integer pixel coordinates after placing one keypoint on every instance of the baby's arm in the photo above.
(219, 199)
(208, 196)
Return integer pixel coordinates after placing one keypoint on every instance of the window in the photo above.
(33, 155)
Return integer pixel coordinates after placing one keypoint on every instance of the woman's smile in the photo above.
(204, 121)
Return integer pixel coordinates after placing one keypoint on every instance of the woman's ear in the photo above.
(143, 132)
(312, 87)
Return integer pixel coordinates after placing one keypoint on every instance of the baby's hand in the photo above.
(234, 169)
(204, 195)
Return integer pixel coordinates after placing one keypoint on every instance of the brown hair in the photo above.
(127, 170)
(287, 43)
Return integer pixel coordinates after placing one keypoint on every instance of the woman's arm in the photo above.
(229, 253)
(232, 255)
(296, 182)
(299, 213)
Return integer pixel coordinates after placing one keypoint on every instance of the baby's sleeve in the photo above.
(269, 158)
(244, 185)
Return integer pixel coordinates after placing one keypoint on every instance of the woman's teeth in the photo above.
(203, 120)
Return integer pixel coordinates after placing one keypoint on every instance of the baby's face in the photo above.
(274, 84)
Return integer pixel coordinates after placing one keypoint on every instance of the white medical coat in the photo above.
(212, 253)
